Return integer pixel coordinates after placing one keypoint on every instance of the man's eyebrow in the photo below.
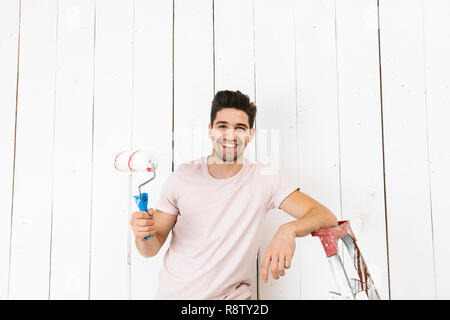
(237, 124)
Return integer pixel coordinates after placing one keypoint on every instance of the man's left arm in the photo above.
(310, 216)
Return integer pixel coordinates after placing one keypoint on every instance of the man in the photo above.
(215, 207)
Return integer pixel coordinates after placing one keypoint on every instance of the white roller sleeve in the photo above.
(140, 161)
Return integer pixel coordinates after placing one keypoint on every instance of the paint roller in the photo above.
(138, 161)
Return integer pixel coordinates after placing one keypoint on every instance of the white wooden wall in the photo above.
(353, 103)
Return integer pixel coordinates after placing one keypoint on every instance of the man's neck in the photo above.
(221, 169)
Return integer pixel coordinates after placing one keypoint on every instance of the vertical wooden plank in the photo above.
(318, 130)
(112, 134)
(32, 207)
(73, 146)
(9, 37)
(406, 156)
(152, 122)
(233, 46)
(277, 127)
(361, 156)
(193, 79)
(234, 61)
(437, 71)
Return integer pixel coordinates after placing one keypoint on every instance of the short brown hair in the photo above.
(233, 99)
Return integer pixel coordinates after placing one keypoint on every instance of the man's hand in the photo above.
(279, 253)
(143, 224)
(153, 222)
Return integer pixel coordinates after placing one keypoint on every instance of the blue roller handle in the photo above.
(142, 203)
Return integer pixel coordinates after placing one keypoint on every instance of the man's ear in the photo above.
(251, 134)
(209, 130)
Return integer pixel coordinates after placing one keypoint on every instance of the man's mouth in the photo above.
(229, 145)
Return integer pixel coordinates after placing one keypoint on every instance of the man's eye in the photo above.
(240, 128)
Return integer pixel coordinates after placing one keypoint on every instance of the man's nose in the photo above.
(230, 133)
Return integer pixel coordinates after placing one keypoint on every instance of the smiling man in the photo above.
(215, 207)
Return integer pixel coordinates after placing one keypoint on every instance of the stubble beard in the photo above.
(229, 157)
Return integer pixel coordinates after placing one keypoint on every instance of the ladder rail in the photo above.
(340, 277)
(365, 279)
(329, 239)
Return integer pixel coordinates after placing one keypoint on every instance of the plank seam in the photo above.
(14, 156)
(338, 107)
(173, 84)
(341, 249)
(214, 49)
(130, 178)
(428, 147)
(92, 152)
(382, 148)
(256, 136)
(254, 76)
(53, 151)
(296, 124)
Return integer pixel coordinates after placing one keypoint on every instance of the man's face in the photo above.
(230, 134)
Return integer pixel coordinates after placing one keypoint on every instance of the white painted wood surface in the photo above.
(193, 78)
(9, 34)
(318, 131)
(96, 78)
(410, 242)
(33, 183)
(275, 76)
(437, 99)
(152, 122)
(234, 63)
(72, 173)
(360, 133)
(113, 103)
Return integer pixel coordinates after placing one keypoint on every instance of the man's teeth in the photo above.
(229, 145)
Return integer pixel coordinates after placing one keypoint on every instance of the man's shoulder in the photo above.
(261, 169)
(188, 167)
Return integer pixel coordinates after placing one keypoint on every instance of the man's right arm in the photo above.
(156, 223)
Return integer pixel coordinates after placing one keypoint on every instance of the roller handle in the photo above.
(142, 203)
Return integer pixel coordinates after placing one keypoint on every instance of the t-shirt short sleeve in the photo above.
(168, 199)
(276, 189)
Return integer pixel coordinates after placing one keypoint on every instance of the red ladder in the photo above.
(348, 288)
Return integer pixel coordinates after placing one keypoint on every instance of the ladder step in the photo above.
(358, 286)
(337, 296)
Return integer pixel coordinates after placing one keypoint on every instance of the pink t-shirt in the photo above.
(215, 239)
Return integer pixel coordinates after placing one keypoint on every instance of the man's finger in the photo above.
(146, 214)
(143, 215)
(287, 261)
(143, 234)
(265, 267)
(143, 229)
(137, 214)
(144, 222)
(281, 266)
(274, 266)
